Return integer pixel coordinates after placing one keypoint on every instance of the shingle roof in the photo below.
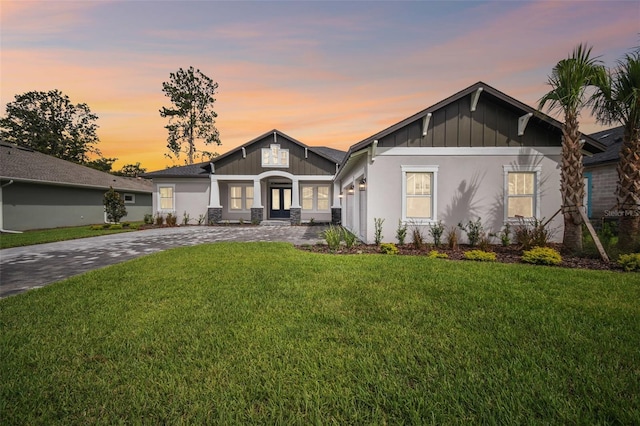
(22, 164)
(612, 138)
(332, 153)
(191, 170)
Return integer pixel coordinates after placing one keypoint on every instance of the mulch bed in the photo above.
(509, 254)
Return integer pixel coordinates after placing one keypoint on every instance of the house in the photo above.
(601, 176)
(272, 177)
(477, 154)
(40, 191)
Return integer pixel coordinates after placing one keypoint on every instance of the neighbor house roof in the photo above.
(612, 139)
(25, 165)
(202, 169)
(591, 145)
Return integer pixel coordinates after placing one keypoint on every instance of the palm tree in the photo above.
(618, 100)
(569, 81)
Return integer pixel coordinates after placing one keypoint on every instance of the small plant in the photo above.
(435, 254)
(534, 234)
(312, 221)
(349, 238)
(401, 232)
(171, 219)
(377, 223)
(480, 256)
(436, 230)
(159, 219)
(630, 262)
(505, 235)
(126, 224)
(333, 235)
(114, 206)
(148, 219)
(417, 238)
(96, 227)
(106, 225)
(452, 238)
(201, 219)
(474, 231)
(115, 226)
(388, 248)
(185, 218)
(241, 221)
(542, 256)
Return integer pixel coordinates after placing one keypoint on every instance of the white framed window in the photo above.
(129, 198)
(274, 156)
(240, 197)
(419, 190)
(315, 197)
(166, 198)
(521, 192)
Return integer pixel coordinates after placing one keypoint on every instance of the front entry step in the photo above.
(275, 223)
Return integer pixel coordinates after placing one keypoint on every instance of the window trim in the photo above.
(314, 197)
(245, 207)
(434, 194)
(277, 161)
(536, 170)
(127, 194)
(173, 197)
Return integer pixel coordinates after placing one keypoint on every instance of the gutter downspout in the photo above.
(1, 212)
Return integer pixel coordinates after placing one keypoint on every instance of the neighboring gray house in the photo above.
(270, 177)
(40, 191)
(601, 176)
(477, 154)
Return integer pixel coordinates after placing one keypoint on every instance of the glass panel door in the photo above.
(280, 203)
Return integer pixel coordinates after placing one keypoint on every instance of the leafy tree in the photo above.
(114, 206)
(191, 116)
(618, 100)
(48, 122)
(102, 164)
(569, 81)
(131, 170)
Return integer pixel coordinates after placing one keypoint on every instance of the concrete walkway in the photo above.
(24, 268)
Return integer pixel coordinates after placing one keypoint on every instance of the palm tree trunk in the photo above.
(572, 184)
(628, 191)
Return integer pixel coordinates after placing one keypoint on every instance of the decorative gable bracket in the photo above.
(522, 123)
(475, 97)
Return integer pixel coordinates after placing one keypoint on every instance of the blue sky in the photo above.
(326, 73)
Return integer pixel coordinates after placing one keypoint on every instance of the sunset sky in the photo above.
(325, 73)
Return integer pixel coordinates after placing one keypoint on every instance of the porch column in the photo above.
(257, 211)
(295, 212)
(214, 210)
(336, 207)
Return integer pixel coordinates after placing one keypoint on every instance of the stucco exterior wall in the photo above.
(604, 179)
(469, 186)
(191, 196)
(33, 206)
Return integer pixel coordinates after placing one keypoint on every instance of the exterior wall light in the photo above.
(362, 186)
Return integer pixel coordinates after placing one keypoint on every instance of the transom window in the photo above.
(166, 199)
(419, 193)
(315, 197)
(521, 192)
(240, 197)
(274, 156)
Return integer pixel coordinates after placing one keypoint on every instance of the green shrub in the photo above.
(96, 227)
(435, 254)
(481, 256)
(542, 256)
(532, 234)
(388, 248)
(436, 230)
(418, 238)
(333, 235)
(474, 231)
(185, 218)
(159, 220)
(201, 219)
(349, 238)
(126, 224)
(630, 262)
(377, 223)
(148, 219)
(401, 232)
(172, 220)
(115, 226)
(114, 205)
(106, 225)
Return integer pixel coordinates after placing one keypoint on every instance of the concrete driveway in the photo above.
(24, 268)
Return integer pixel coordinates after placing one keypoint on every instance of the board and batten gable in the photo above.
(248, 159)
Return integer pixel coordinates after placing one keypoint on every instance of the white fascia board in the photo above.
(78, 185)
(469, 151)
(349, 164)
(299, 178)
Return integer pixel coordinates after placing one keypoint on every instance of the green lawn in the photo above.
(234, 333)
(41, 236)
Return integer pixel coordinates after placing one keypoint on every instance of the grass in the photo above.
(233, 333)
(42, 236)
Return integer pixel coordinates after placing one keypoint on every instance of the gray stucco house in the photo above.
(477, 154)
(40, 191)
(601, 176)
(271, 177)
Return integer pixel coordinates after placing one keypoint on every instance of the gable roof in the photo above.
(591, 145)
(203, 169)
(612, 139)
(25, 165)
